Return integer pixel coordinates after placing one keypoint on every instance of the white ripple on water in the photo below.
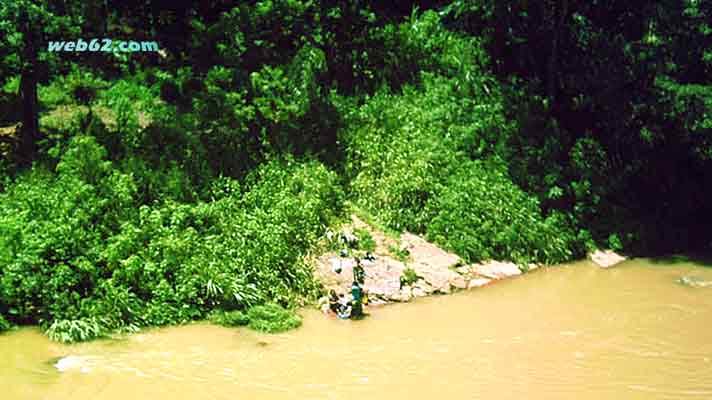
(683, 392)
(170, 376)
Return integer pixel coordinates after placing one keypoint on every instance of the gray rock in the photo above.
(423, 286)
(497, 269)
(464, 270)
(405, 294)
(479, 282)
(606, 258)
(424, 252)
(533, 266)
(458, 282)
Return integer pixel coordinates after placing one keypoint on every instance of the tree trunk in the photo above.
(28, 93)
(30, 122)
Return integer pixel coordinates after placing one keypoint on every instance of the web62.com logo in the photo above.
(103, 45)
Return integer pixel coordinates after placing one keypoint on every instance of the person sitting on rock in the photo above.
(345, 308)
(334, 305)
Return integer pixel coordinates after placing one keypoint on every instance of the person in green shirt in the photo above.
(357, 303)
(359, 273)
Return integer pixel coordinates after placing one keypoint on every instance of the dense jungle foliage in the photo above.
(153, 188)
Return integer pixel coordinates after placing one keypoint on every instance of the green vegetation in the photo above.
(400, 253)
(143, 189)
(78, 243)
(4, 325)
(230, 318)
(365, 240)
(68, 331)
(371, 220)
(409, 277)
(427, 176)
(272, 318)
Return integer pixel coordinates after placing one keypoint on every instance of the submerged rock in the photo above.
(457, 281)
(423, 287)
(497, 269)
(418, 292)
(403, 295)
(479, 282)
(695, 281)
(72, 362)
(606, 258)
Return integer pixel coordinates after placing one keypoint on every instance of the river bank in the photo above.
(407, 267)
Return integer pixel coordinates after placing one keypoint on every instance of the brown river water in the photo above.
(567, 332)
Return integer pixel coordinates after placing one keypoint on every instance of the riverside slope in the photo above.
(438, 271)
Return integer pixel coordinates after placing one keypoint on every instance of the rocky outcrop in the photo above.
(606, 258)
(383, 279)
(425, 253)
(437, 270)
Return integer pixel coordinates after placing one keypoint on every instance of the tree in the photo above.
(633, 77)
(25, 28)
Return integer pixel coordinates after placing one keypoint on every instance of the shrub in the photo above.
(81, 243)
(401, 254)
(4, 325)
(137, 93)
(365, 240)
(272, 318)
(409, 277)
(481, 214)
(80, 330)
(230, 318)
(60, 90)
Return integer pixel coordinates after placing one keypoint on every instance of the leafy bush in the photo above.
(409, 277)
(4, 325)
(481, 214)
(422, 44)
(400, 253)
(142, 96)
(52, 228)
(365, 240)
(68, 331)
(230, 318)
(81, 243)
(60, 90)
(272, 318)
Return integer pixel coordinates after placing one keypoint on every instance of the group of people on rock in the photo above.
(350, 306)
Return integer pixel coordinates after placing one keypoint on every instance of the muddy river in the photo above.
(569, 332)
